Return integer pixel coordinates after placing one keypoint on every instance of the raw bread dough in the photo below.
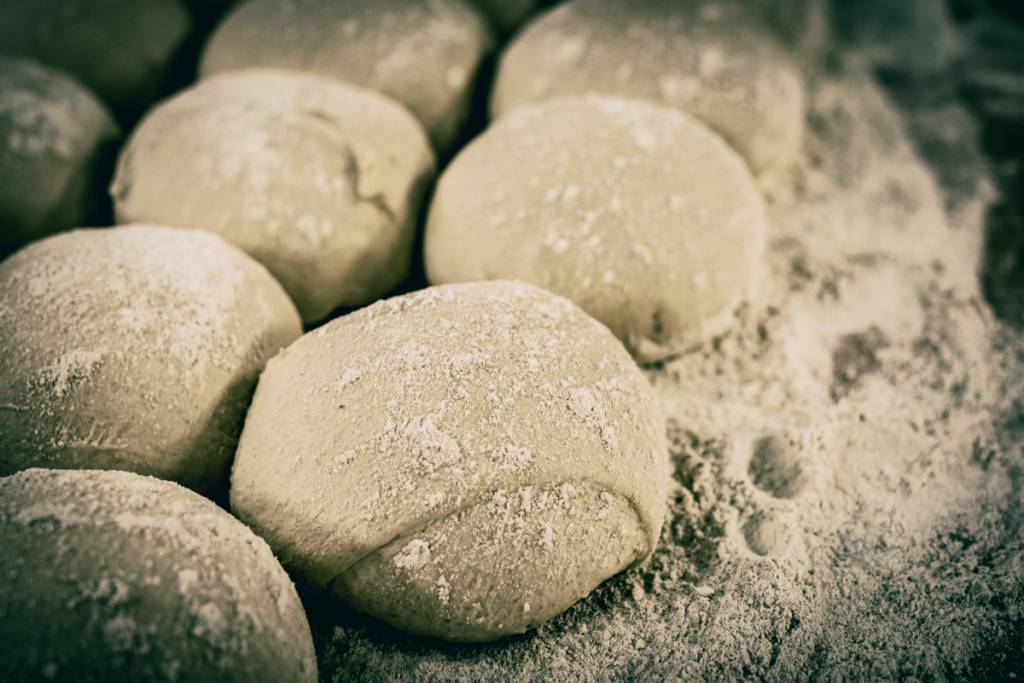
(318, 180)
(110, 576)
(637, 213)
(464, 462)
(133, 348)
(54, 139)
(119, 48)
(422, 53)
(733, 75)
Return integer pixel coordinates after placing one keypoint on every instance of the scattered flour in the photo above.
(847, 461)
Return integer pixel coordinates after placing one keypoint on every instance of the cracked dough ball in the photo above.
(318, 180)
(110, 576)
(637, 213)
(422, 53)
(54, 139)
(463, 462)
(733, 75)
(119, 48)
(133, 348)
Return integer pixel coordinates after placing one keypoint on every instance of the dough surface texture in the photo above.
(463, 462)
(133, 348)
(733, 75)
(318, 180)
(637, 213)
(111, 577)
(54, 137)
(422, 53)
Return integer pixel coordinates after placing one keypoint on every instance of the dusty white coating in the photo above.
(133, 348)
(464, 393)
(879, 536)
(422, 53)
(637, 213)
(119, 48)
(318, 180)
(117, 577)
(733, 75)
(53, 134)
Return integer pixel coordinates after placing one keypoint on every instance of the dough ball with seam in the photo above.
(112, 576)
(463, 462)
(121, 49)
(320, 181)
(422, 53)
(637, 213)
(733, 75)
(55, 141)
(133, 348)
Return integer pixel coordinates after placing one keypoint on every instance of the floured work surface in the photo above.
(847, 460)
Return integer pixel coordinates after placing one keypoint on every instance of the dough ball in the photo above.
(318, 180)
(733, 75)
(637, 213)
(109, 576)
(463, 462)
(133, 348)
(422, 53)
(54, 139)
(119, 48)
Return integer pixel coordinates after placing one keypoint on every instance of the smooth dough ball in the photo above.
(55, 138)
(422, 53)
(110, 576)
(318, 180)
(119, 48)
(637, 213)
(463, 462)
(732, 75)
(133, 348)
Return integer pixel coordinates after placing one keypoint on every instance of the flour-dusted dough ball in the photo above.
(111, 576)
(54, 139)
(637, 213)
(732, 75)
(320, 181)
(422, 53)
(133, 348)
(119, 48)
(463, 462)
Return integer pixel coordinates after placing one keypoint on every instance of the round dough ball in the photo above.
(637, 213)
(733, 75)
(55, 138)
(320, 181)
(463, 462)
(119, 48)
(133, 348)
(422, 53)
(109, 576)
